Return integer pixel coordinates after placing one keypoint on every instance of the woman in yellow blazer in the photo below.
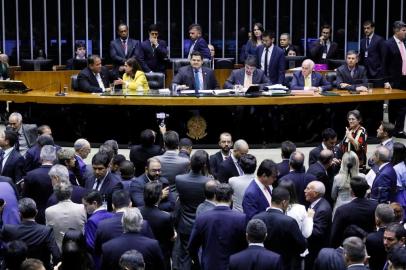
(134, 79)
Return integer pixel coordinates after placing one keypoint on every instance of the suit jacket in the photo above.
(276, 65)
(330, 258)
(118, 55)
(139, 156)
(64, 216)
(300, 180)
(393, 63)
(384, 186)
(255, 257)
(200, 46)
(376, 249)
(14, 166)
(77, 194)
(30, 133)
(149, 248)
(186, 76)
(38, 186)
(240, 185)
(283, 168)
(155, 57)
(215, 161)
(191, 193)
(316, 169)
(359, 211)
(316, 52)
(137, 193)
(315, 153)
(109, 183)
(318, 80)
(172, 165)
(237, 77)
(357, 267)
(39, 239)
(218, 242)
(88, 83)
(226, 170)
(375, 62)
(254, 200)
(204, 207)
(283, 235)
(110, 228)
(8, 192)
(32, 160)
(92, 224)
(344, 76)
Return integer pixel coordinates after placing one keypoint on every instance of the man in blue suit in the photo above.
(287, 148)
(218, 242)
(352, 76)
(94, 78)
(155, 51)
(354, 253)
(11, 161)
(271, 59)
(257, 196)
(307, 79)
(197, 42)
(256, 256)
(247, 76)
(384, 186)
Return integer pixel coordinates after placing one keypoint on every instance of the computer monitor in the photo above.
(36, 64)
(13, 86)
(79, 64)
(294, 61)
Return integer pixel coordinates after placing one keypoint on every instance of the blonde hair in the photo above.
(349, 168)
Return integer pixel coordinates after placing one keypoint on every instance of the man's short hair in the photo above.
(248, 163)
(196, 53)
(47, 153)
(132, 260)
(350, 52)
(384, 213)
(326, 26)
(171, 140)
(251, 61)
(45, 140)
(17, 115)
(150, 160)
(80, 143)
(153, 27)
(388, 128)
(359, 186)
(267, 167)
(240, 144)
(32, 264)
(397, 256)
(269, 34)
(397, 229)
(195, 26)
(185, 142)
(328, 134)
(101, 159)
(285, 34)
(80, 45)
(41, 129)
(326, 156)
(91, 59)
(127, 169)
(27, 208)
(65, 154)
(256, 231)
(118, 159)
(147, 137)
(397, 25)
(382, 153)
(93, 196)
(132, 220)
(210, 189)
(113, 144)
(287, 148)
(280, 194)
(152, 193)
(354, 230)
(296, 160)
(199, 160)
(319, 188)
(354, 249)
(16, 252)
(369, 22)
(11, 136)
(120, 25)
(63, 191)
(223, 192)
(59, 171)
(120, 199)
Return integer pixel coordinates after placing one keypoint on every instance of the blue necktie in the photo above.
(197, 81)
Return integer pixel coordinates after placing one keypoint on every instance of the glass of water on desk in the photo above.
(370, 87)
(112, 88)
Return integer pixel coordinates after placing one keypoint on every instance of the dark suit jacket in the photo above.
(276, 65)
(218, 242)
(186, 76)
(226, 170)
(88, 83)
(237, 77)
(32, 157)
(344, 76)
(359, 211)
(283, 235)
(118, 55)
(330, 258)
(283, 168)
(149, 248)
(155, 58)
(393, 63)
(77, 194)
(375, 62)
(108, 187)
(384, 186)
(300, 180)
(376, 249)
(30, 133)
(39, 239)
(317, 169)
(315, 153)
(137, 193)
(191, 193)
(255, 258)
(14, 166)
(139, 156)
(316, 52)
(318, 80)
(200, 46)
(254, 200)
(215, 161)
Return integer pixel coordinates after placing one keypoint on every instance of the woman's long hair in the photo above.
(253, 37)
(132, 62)
(74, 253)
(349, 168)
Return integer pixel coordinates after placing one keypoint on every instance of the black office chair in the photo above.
(331, 77)
(335, 63)
(288, 79)
(74, 82)
(181, 62)
(224, 63)
(156, 80)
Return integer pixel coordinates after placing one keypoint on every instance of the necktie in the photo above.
(267, 195)
(197, 81)
(240, 171)
(308, 83)
(368, 40)
(1, 161)
(98, 182)
(266, 62)
(191, 49)
(325, 48)
(352, 73)
(403, 54)
(124, 44)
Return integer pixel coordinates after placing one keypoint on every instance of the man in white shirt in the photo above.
(94, 78)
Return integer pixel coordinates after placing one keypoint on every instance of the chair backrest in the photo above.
(181, 62)
(288, 79)
(74, 82)
(156, 80)
(331, 76)
(223, 63)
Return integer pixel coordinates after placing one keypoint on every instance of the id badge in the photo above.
(366, 54)
(324, 56)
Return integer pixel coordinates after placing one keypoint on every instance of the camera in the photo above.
(160, 117)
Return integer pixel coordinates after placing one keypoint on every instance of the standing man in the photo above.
(11, 161)
(231, 167)
(323, 48)
(94, 78)
(372, 54)
(354, 253)
(384, 134)
(285, 43)
(155, 51)
(197, 42)
(225, 144)
(271, 59)
(27, 133)
(351, 76)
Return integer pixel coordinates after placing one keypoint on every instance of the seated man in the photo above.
(4, 67)
(247, 76)
(351, 76)
(307, 79)
(94, 78)
(195, 76)
(80, 55)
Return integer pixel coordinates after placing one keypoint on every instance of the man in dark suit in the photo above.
(283, 234)
(257, 196)
(354, 253)
(384, 215)
(247, 76)
(384, 186)
(82, 150)
(195, 76)
(319, 238)
(372, 54)
(218, 242)
(39, 238)
(230, 167)
(225, 144)
(155, 51)
(37, 183)
(210, 202)
(11, 161)
(329, 141)
(256, 256)
(352, 76)
(132, 239)
(271, 59)
(152, 173)
(393, 237)
(285, 43)
(287, 148)
(94, 78)
(27, 133)
(197, 43)
(360, 211)
(307, 79)
(32, 156)
(191, 189)
(323, 48)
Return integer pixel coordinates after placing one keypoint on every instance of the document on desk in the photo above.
(208, 92)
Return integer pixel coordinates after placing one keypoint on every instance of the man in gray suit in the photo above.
(351, 76)
(191, 193)
(27, 133)
(171, 163)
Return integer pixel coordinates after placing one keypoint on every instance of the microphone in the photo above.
(60, 93)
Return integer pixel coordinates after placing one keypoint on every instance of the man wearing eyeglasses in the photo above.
(155, 51)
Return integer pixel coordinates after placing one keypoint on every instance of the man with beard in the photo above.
(225, 143)
(231, 166)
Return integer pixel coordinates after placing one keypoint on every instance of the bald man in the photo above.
(308, 79)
